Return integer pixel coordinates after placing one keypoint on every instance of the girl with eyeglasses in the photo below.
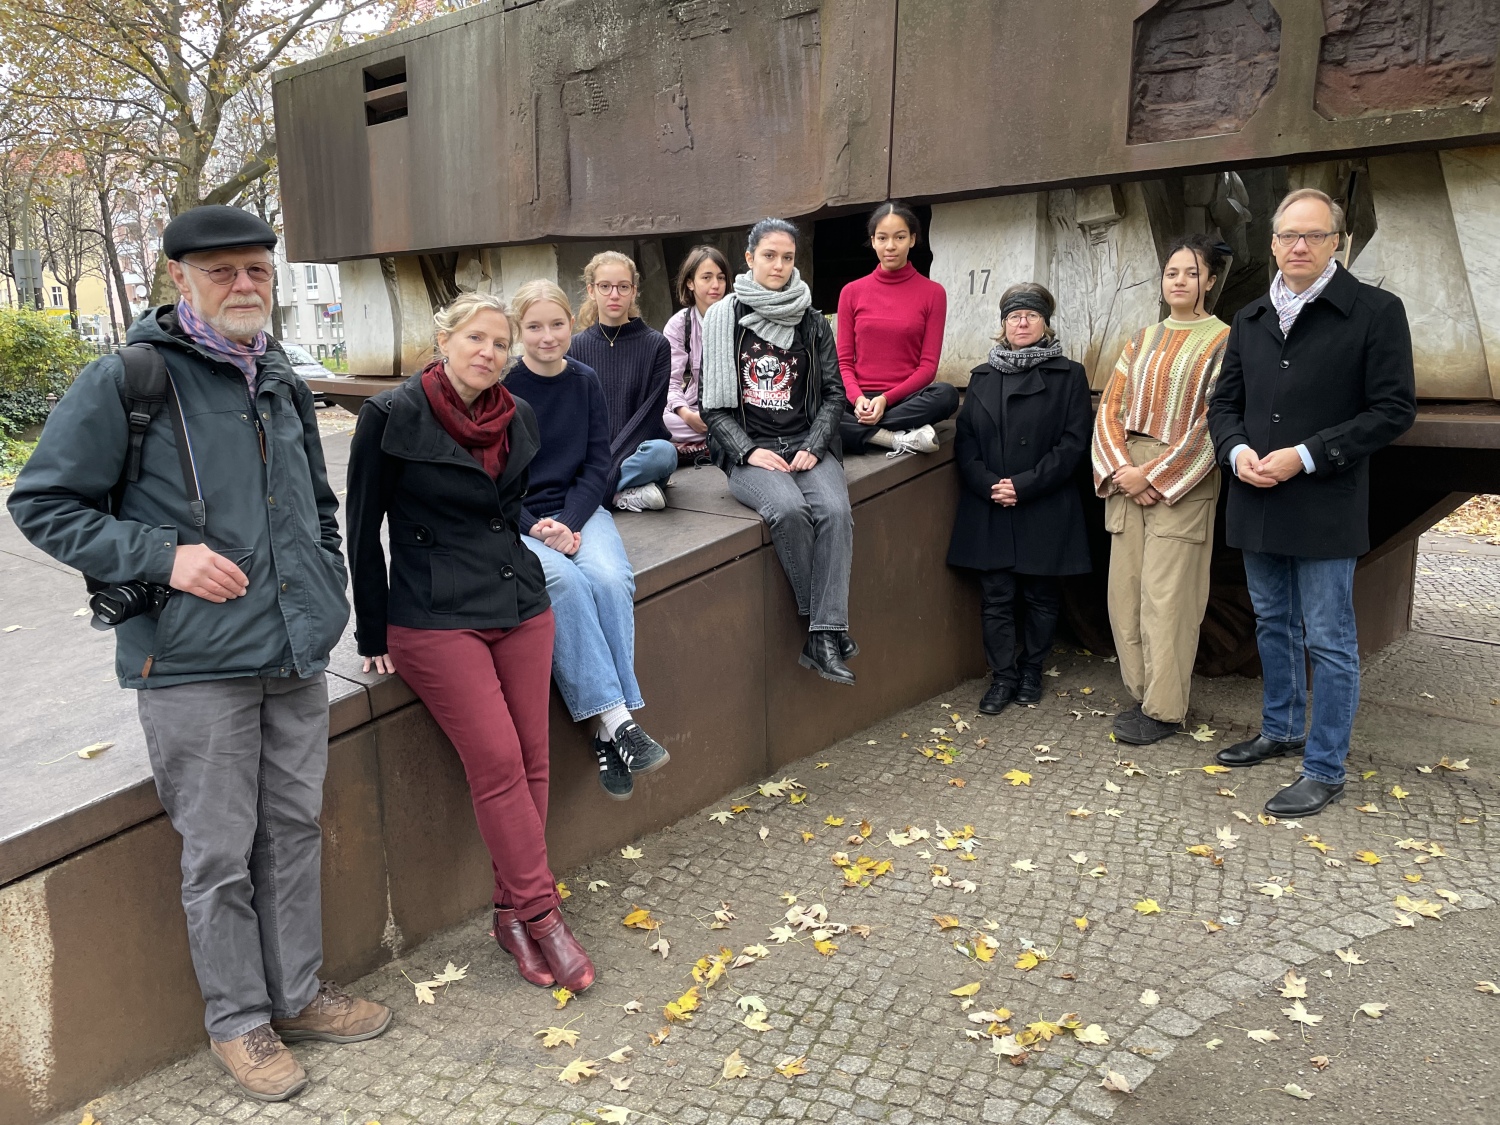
(1022, 430)
(1154, 465)
(634, 365)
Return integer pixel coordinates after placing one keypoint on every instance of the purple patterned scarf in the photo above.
(220, 346)
(1289, 305)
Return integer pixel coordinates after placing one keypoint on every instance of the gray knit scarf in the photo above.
(1014, 361)
(774, 315)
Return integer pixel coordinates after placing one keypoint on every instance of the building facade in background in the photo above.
(309, 307)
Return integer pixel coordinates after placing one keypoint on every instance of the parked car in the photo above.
(306, 366)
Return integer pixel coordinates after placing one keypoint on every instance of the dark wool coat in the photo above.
(457, 560)
(1048, 423)
(1342, 384)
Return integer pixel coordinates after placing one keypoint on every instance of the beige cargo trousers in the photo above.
(1159, 560)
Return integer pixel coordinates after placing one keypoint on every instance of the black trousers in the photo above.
(927, 407)
(1005, 596)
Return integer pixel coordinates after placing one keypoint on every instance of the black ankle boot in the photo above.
(1030, 690)
(821, 654)
(998, 698)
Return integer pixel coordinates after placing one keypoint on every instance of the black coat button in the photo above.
(1334, 452)
(497, 524)
(1023, 441)
(423, 535)
(507, 571)
(1275, 417)
(1286, 363)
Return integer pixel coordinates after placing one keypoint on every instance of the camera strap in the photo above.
(147, 388)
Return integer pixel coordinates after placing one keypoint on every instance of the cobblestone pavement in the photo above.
(1458, 590)
(1087, 830)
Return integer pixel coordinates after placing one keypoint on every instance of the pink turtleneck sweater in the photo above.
(890, 333)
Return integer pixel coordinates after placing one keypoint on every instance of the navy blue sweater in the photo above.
(570, 472)
(634, 373)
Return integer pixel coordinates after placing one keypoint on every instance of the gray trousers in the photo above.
(812, 530)
(239, 766)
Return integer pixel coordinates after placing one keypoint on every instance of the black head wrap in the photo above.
(1025, 299)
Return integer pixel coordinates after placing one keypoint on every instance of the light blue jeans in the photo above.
(593, 599)
(652, 463)
(1306, 607)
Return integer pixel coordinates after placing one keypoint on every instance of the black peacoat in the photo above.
(1046, 434)
(1341, 383)
(457, 560)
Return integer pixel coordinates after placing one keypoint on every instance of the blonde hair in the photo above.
(1310, 193)
(589, 313)
(535, 292)
(464, 308)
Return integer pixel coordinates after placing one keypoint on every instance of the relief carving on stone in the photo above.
(1201, 67)
(1381, 55)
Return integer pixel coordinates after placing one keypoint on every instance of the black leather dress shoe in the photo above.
(821, 654)
(1304, 797)
(1259, 749)
(1030, 690)
(1139, 729)
(848, 648)
(998, 698)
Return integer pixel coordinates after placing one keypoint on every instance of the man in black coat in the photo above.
(1317, 376)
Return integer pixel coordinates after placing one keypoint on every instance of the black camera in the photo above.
(114, 604)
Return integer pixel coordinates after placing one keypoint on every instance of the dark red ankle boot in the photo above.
(566, 958)
(510, 934)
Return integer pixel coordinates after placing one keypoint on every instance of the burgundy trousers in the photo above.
(488, 690)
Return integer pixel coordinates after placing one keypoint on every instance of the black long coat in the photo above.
(457, 560)
(1047, 428)
(1340, 383)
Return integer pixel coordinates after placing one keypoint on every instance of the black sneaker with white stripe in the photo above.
(640, 752)
(614, 774)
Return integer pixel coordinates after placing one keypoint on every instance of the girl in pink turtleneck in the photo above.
(890, 335)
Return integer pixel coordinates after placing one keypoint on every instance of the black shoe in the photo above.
(614, 774)
(821, 654)
(1259, 749)
(848, 649)
(1304, 797)
(998, 698)
(1140, 729)
(638, 750)
(1030, 690)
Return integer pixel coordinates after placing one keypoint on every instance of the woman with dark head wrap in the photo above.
(1023, 429)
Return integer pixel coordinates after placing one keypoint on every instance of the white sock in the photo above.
(883, 438)
(611, 721)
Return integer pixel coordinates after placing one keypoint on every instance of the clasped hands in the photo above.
(1132, 481)
(1270, 470)
(869, 411)
(559, 536)
(1003, 492)
(766, 459)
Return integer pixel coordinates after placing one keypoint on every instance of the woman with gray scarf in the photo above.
(772, 399)
(1022, 432)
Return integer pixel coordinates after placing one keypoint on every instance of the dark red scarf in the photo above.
(483, 428)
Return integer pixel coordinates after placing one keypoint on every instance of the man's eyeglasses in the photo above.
(623, 288)
(1314, 238)
(226, 275)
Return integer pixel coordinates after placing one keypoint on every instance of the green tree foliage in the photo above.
(36, 351)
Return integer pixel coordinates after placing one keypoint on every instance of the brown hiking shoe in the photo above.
(335, 1017)
(261, 1064)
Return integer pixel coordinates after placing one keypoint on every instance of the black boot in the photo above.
(821, 654)
(1259, 749)
(1030, 690)
(1304, 797)
(998, 698)
(848, 649)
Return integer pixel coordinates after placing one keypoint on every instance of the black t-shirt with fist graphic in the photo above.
(773, 387)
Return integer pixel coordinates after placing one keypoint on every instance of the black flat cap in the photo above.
(214, 228)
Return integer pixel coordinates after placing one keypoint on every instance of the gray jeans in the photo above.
(813, 531)
(239, 766)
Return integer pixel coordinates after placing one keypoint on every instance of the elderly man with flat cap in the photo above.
(206, 523)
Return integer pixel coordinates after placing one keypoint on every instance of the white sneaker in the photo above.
(642, 498)
(921, 440)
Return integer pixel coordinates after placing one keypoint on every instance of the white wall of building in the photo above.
(311, 303)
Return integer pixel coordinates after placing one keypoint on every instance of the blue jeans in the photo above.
(593, 599)
(1306, 606)
(653, 463)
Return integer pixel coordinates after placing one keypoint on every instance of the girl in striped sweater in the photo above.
(1154, 466)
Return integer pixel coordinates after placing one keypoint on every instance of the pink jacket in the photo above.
(684, 332)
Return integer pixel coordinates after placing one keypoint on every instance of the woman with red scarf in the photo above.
(462, 614)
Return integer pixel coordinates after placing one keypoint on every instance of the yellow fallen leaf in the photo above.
(1114, 1080)
(1214, 769)
(1374, 1011)
(797, 798)
(614, 1114)
(825, 765)
(1399, 793)
(1203, 850)
(1017, 777)
(965, 990)
(734, 1066)
(640, 919)
(577, 1070)
(1147, 906)
(1367, 857)
(1369, 808)
(1451, 897)
(562, 996)
(552, 1036)
(1458, 766)
(1150, 998)
(1294, 987)
(1080, 813)
(1081, 923)
(1487, 986)
(790, 1068)
(1030, 959)
(826, 948)
(1298, 1013)
(682, 1009)
(1349, 957)
(619, 1056)
(756, 1021)
(424, 992)
(657, 1038)
(834, 821)
(1410, 878)
(1262, 1035)
(946, 921)
(1296, 1091)
(1093, 1033)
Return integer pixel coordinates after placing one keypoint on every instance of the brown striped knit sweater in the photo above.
(1160, 388)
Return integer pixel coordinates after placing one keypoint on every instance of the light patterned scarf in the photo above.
(1289, 305)
(220, 346)
(774, 315)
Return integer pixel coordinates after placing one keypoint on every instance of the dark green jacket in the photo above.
(275, 518)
